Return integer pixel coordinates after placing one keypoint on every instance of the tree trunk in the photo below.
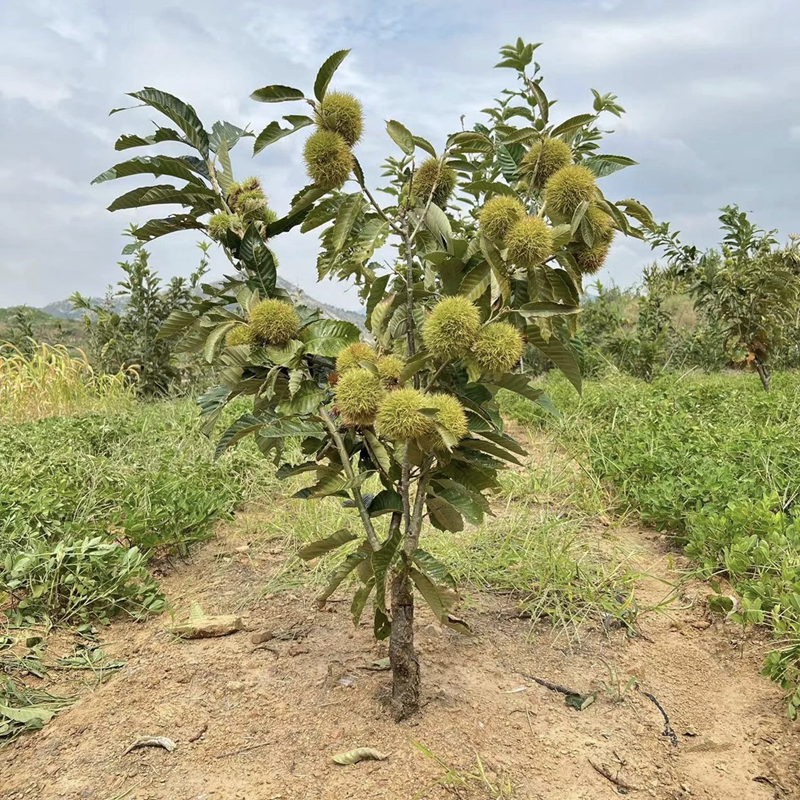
(402, 656)
(763, 374)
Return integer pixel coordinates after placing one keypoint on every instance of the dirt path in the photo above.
(260, 722)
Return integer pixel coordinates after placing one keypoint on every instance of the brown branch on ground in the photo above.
(602, 769)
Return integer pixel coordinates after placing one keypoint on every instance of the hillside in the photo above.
(59, 322)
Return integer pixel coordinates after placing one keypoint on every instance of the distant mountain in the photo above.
(63, 309)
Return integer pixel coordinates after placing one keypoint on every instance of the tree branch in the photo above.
(348, 469)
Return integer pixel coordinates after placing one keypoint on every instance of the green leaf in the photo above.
(461, 501)
(243, 426)
(305, 198)
(413, 366)
(348, 213)
(339, 574)
(401, 136)
(562, 234)
(177, 322)
(326, 337)
(377, 293)
(508, 164)
(260, 262)
(425, 145)
(326, 73)
(190, 195)
(544, 309)
(562, 356)
(572, 124)
(523, 135)
(387, 501)
(320, 214)
(155, 228)
(442, 515)
(34, 714)
(185, 168)
(433, 568)
(504, 440)
(380, 455)
(475, 282)
(274, 132)
(381, 565)
(441, 599)
(521, 384)
(602, 165)
(489, 187)
(641, 213)
(227, 133)
(541, 99)
(382, 628)
(326, 545)
(360, 600)
(276, 94)
(437, 223)
(488, 447)
(180, 113)
(470, 142)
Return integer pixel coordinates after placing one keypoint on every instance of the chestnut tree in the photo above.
(488, 235)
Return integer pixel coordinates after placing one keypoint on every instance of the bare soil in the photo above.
(262, 721)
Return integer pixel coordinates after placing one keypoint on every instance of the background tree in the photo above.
(490, 235)
(123, 330)
(751, 284)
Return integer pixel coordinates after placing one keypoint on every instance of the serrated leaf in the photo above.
(276, 94)
(177, 322)
(339, 574)
(475, 282)
(440, 598)
(381, 566)
(470, 142)
(348, 213)
(562, 235)
(379, 454)
(433, 568)
(155, 228)
(326, 545)
(259, 261)
(326, 73)
(360, 600)
(489, 188)
(304, 198)
(562, 356)
(572, 124)
(190, 195)
(377, 293)
(425, 145)
(182, 168)
(382, 627)
(442, 515)
(327, 337)
(413, 366)
(541, 99)
(182, 114)
(544, 309)
(602, 165)
(387, 501)
(401, 136)
(274, 132)
(437, 223)
(521, 384)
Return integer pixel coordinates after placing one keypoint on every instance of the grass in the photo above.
(714, 461)
(89, 500)
(54, 381)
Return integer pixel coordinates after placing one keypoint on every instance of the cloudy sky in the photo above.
(711, 87)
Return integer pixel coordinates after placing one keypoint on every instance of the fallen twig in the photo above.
(553, 687)
(601, 769)
(668, 730)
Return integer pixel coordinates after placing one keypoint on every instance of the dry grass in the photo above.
(52, 382)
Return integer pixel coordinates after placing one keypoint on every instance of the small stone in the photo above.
(234, 686)
(262, 636)
(242, 548)
(298, 650)
(207, 627)
(701, 624)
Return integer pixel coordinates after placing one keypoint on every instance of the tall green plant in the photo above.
(751, 284)
(491, 233)
(124, 330)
